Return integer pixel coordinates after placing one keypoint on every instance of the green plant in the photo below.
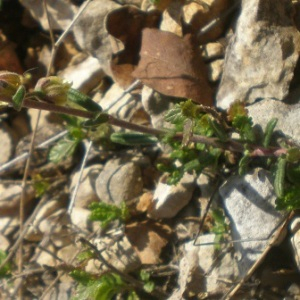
(104, 287)
(6, 269)
(201, 139)
(106, 213)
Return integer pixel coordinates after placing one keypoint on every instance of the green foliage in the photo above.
(280, 177)
(106, 213)
(220, 227)
(148, 284)
(5, 271)
(269, 132)
(106, 287)
(290, 200)
(40, 185)
(62, 149)
(244, 126)
(18, 97)
(133, 138)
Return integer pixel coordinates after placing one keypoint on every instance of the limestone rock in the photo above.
(119, 182)
(90, 32)
(168, 200)
(262, 55)
(250, 203)
(287, 114)
(199, 272)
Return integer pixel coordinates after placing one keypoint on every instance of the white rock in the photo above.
(4, 243)
(44, 258)
(212, 51)
(199, 271)
(263, 53)
(295, 240)
(86, 192)
(61, 12)
(7, 144)
(119, 182)
(84, 76)
(250, 202)
(215, 70)
(287, 114)
(8, 225)
(168, 200)
(171, 18)
(80, 218)
(68, 253)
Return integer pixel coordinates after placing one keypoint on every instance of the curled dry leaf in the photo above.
(172, 66)
(125, 24)
(148, 238)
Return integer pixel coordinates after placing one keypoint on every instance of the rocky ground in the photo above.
(206, 237)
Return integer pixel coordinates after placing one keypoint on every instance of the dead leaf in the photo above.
(171, 65)
(148, 238)
(125, 24)
(8, 58)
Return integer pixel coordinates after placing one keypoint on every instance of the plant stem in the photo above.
(230, 145)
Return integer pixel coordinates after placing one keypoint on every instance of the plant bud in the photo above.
(9, 83)
(53, 89)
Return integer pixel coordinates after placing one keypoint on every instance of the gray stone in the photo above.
(288, 116)
(262, 55)
(250, 203)
(200, 271)
(86, 193)
(7, 143)
(90, 32)
(119, 182)
(168, 200)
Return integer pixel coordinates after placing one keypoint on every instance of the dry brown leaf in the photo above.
(125, 24)
(8, 59)
(148, 238)
(172, 66)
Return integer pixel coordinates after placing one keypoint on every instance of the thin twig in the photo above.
(25, 155)
(74, 194)
(64, 34)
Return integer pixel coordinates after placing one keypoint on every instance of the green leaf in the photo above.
(291, 199)
(133, 138)
(279, 177)
(293, 155)
(203, 126)
(269, 131)
(244, 164)
(62, 149)
(83, 100)
(98, 120)
(175, 116)
(237, 109)
(6, 269)
(106, 213)
(218, 130)
(244, 125)
(293, 173)
(18, 98)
